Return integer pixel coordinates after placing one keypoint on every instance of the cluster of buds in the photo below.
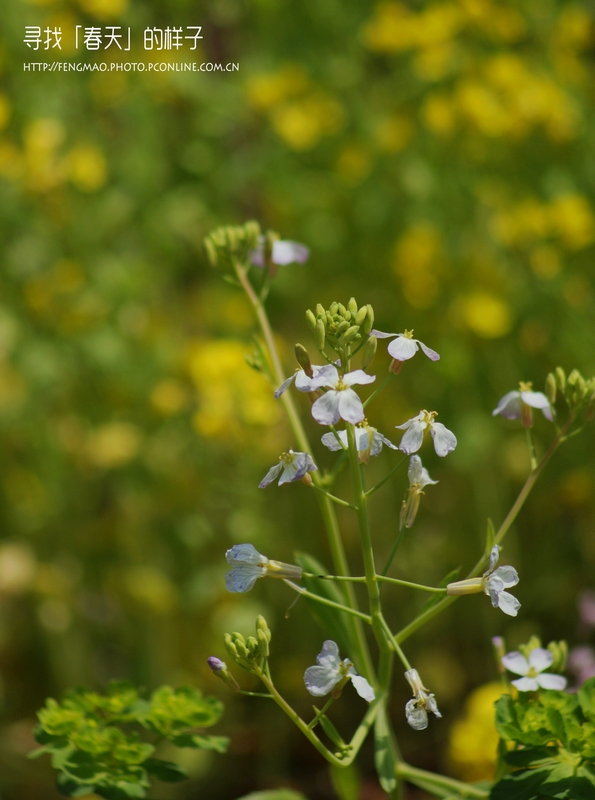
(248, 653)
(339, 326)
(232, 243)
(577, 391)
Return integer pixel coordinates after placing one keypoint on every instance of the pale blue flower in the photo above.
(444, 440)
(305, 383)
(340, 401)
(291, 467)
(248, 565)
(495, 581)
(330, 670)
(531, 669)
(368, 441)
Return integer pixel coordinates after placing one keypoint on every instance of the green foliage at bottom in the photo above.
(95, 740)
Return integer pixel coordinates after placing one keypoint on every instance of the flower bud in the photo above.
(230, 646)
(303, 359)
(550, 388)
(559, 650)
(311, 319)
(341, 327)
(350, 334)
(252, 646)
(263, 643)
(560, 378)
(320, 334)
(342, 309)
(261, 625)
(352, 306)
(219, 669)
(369, 351)
(334, 307)
(211, 252)
(361, 315)
(320, 310)
(369, 321)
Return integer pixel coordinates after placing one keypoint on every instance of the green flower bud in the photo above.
(560, 378)
(334, 307)
(361, 315)
(252, 645)
(303, 359)
(230, 646)
(211, 251)
(350, 334)
(243, 651)
(342, 309)
(533, 643)
(320, 310)
(311, 319)
(320, 334)
(263, 643)
(369, 321)
(352, 305)
(347, 316)
(341, 327)
(261, 625)
(550, 388)
(369, 351)
(559, 650)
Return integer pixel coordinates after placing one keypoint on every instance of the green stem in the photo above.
(332, 497)
(378, 578)
(417, 623)
(331, 603)
(312, 724)
(531, 446)
(393, 552)
(384, 480)
(378, 390)
(444, 786)
(255, 694)
(362, 657)
(395, 644)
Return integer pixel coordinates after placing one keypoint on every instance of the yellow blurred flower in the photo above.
(169, 397)
(545, 262)
(104, 9)
(302, 123)
(17, 568)
(473, 739)
(152, 588)
(483, 313)
(4, 111)
(266, 90)
(86, 168)
(231, 396)
(354, 163)
(113, 444)
(572, 219)
(13, 389)
(42, 137)
(393, 133)
(438, 114)
(418, 260)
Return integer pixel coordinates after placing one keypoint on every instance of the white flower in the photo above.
(517, 405)
(367, 439)
(284, 252)
(292, 467)
(340, 401)
(330, 671)
(539, 660)
(249, 565)
(418, 479)
(305, 383)
(423, 701)
(444, 440)
(405, 346)
(495, 581)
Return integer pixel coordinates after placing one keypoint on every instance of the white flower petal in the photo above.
(270, 476)
(413, 438)
(362, 687)
(431, 354)
(549, 681)
(326, 409)
(535, 399)
(416, 717)
(541, 659)
(509, 406)
(350, 406)
(330, 440)
(526, 684)
(414, 470)
(321, 376)
(516, 662)
(402, 348)
(382, 335)
(329, 655)
(287, 252)
(358, 376)
(494, 557)
(444, 440)
(292, 471)
(386, 441)
(286, 384)
(425, 478)
(508, 575)
(412, 421)
(321, 680)
(509, 604)
(432, 705)
(243, 577)
(244, 554)
(494, 588)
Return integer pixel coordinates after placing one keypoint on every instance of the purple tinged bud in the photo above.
(216, 664)
(219, 668)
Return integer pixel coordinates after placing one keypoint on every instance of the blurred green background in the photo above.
(439, 159)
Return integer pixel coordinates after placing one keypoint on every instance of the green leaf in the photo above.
(521, 785)
(217, 743)
(337, 624)
(436, 597)
(70, 788)
(121, 790)
(330, 730)
(346, 782)
(556, 724)
(174, 710)
(586, 699)
(384, 758)
(39, 751)
(166, 771)
(531, 756)
(274, 794)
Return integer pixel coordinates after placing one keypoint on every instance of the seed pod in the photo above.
(311, 319)
(550, 388)
(320, 334)
(369, 321)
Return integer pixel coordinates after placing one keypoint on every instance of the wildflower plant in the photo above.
(547, 736)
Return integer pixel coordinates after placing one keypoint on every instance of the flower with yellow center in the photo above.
(518, 405)
(531, 669)
(444, 440)
(340, 401)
